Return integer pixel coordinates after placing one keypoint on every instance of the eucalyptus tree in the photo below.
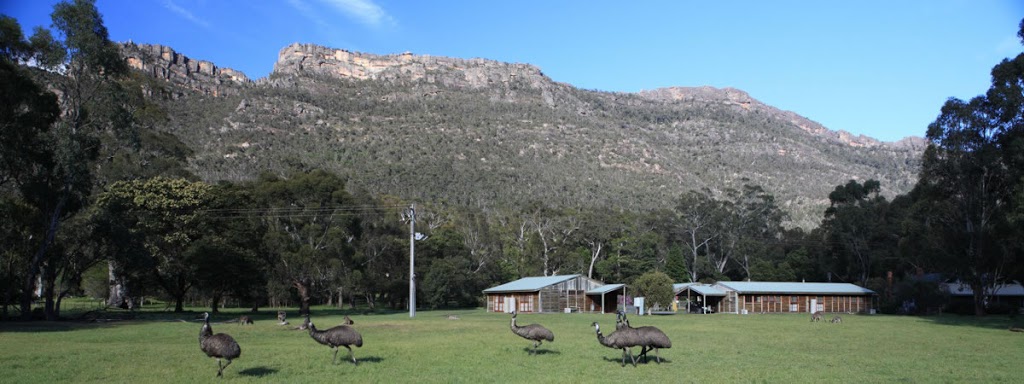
(82, 64)
(312, 228)
(751, 223)
(970, 174)
(598, 227)
(158, 221)
(698, 221)
(859, 230)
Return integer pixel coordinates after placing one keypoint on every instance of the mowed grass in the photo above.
(479, 347)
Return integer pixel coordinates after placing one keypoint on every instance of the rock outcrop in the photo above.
(473, 73)
(164, 63)
(741, 99)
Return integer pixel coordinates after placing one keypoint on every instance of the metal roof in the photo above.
(678, 287)
(530, 284)
(707, 290)
(604, 289)
(960, 289)
(797, 288)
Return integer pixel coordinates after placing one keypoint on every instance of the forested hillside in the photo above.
(133, 171)
(488, 134)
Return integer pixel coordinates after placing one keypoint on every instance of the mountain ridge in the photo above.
(487, 133)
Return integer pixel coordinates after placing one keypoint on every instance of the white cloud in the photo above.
(169, 4)
(310, 14)
(364, 11)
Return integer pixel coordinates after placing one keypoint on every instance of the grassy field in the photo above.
(479, 347)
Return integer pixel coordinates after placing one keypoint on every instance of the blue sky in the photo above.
(878, 68)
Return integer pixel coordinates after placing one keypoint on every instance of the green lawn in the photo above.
(479, 347)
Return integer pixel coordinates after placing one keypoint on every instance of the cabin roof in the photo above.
(795, 288)
(530, 284)
(605, 289)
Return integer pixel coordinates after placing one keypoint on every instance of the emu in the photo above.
(650, 338)
(219, 346)
(624, 339)
(837, 320)
(818, 316)
(341, 335)
(535, 332)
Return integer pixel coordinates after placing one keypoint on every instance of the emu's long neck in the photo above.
(205, 331)
(514, 327)
(600, 336)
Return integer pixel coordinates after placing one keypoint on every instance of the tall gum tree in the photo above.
(969, 176)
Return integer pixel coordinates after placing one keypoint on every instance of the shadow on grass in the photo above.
(528, 350)
(370, 359)
(1003, 322)
(618, 360)
(258, 372)
(361, 360)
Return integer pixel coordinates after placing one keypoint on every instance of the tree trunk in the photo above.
(303, 289)
(116, 289)
(37, 260)
(979, 299)
(215, 303)
(49, 280)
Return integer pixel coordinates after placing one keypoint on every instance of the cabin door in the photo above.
(510, 304)
(814, 306)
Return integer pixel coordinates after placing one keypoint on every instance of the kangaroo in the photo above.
(837, 320)
(818, 316)
(282, 318)
(244, 320)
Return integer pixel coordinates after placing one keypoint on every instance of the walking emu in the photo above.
(342, 336)
(650, 338)
(219, 346)
(624, 339)
(535, 332)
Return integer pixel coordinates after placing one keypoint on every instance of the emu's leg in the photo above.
(631, 356)
(224, 367)
(657, 357)
(623, 357)
(643, 353)
(535, 345)
(335, 359)
(352, 356)
(220, 369)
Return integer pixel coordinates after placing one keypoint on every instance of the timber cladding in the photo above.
(768, 303)
(789, 297)
(542, 294)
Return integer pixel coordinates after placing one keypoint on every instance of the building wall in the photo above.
(553, 298)
(525, 302)
(768, 303)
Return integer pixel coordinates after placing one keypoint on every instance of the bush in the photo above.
(656, 287)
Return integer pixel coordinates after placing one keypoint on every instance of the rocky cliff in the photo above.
(740, 99)
(164, 63)
(487, 133)
(460, 73)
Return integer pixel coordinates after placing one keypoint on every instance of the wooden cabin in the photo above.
(783, 297)
(607, 298)
(561, 293)
(698, 298)
(1010, 294)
